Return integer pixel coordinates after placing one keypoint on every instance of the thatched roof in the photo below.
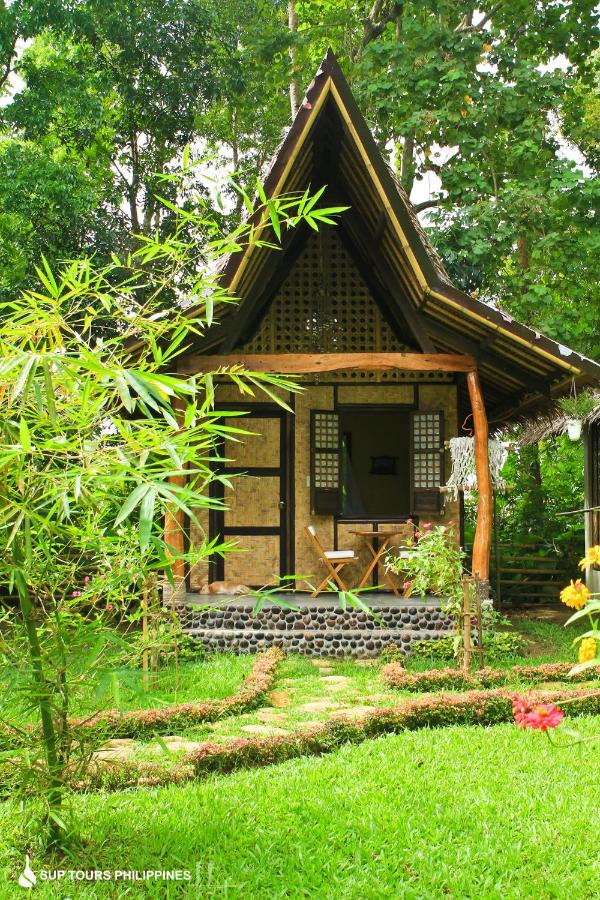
(548, 425)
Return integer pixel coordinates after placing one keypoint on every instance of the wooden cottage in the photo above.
(394, 360)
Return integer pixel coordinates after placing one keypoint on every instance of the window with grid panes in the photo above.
(325, 462)
(427, 442)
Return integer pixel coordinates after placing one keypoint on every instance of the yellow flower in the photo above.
(468, 99)
(587, 649)
(575, 594)
(591, 558)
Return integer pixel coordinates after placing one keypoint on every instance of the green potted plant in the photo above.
(575, 409)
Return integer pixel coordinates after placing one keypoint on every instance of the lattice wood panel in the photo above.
(324, 305)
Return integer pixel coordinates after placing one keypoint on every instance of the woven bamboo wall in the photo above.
(253, 501)
(366, 393)
(259, 448)
(258, 563)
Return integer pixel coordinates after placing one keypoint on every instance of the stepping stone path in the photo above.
(319, 706)
(335, 682)
(266, 714)
(323, 665)
(175, 744)
(354, 712)
(310, 723)
(118, 748)
(278, 698)
(263, 730)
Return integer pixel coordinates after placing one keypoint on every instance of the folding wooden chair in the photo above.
(334, 560)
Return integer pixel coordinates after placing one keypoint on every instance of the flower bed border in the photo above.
(138, 723)
(394, 675)
(490, 707)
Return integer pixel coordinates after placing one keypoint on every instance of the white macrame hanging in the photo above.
(463, 476)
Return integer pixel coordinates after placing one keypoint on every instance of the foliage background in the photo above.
(488, 111)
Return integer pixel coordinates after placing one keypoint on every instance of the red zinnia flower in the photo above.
(542, 716)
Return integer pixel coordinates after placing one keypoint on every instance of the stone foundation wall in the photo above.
(315, 629)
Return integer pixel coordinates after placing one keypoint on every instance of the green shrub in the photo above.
(497, 644)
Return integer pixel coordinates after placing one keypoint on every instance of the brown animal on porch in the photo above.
(224, 587)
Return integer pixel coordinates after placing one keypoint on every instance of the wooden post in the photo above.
(466, 624)
(483, 530)
(174, 535)
(479, 622)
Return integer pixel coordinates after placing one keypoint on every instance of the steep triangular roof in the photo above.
(330, 143)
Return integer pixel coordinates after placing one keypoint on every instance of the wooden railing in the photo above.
(531, 573)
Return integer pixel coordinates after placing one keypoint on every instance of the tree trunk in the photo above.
(407, 163)
(294, 86)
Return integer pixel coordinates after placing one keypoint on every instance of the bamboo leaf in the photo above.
(24, 435)
(131, 502)
(146, 518)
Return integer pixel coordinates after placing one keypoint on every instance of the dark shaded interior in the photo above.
(375, 463)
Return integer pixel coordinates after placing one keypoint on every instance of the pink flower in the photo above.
(543, 716)
(110, 606)
(426, 526)
(76, 594)
(86, 580)
(417, 534)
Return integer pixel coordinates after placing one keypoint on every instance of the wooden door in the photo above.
(256, 513)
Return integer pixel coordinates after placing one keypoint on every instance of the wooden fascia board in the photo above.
(478, 351)
(308, 363)
(274, 185)
(378, 176)
(515, 331)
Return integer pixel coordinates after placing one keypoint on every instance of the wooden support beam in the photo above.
(303, 363)
(483, 530)
(174, 526)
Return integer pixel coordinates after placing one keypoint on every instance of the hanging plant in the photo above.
(576, 408)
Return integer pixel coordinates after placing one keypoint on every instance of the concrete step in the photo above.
(313, 642)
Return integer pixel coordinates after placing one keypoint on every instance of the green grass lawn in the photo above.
(461, 812)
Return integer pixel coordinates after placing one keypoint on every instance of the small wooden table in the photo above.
(377, 542)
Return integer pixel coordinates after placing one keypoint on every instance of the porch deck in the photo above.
(315, 626)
